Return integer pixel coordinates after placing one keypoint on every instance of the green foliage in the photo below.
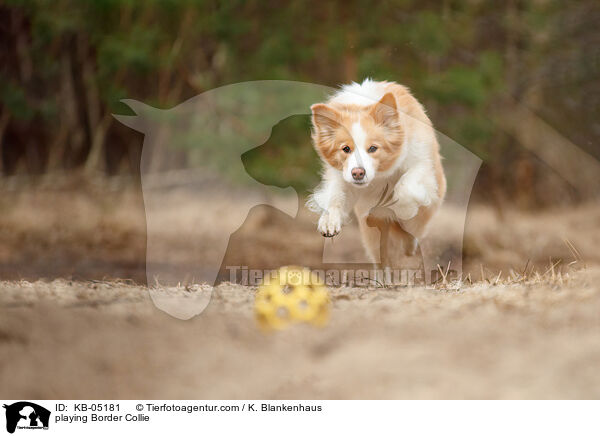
(286, 159)
(472, 86)
(476, 132)
(452, 54)
(428, 33)
(14, 99)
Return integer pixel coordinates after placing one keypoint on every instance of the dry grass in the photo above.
(95, 234)
(536, 337)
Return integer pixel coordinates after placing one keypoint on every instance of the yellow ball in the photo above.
(291, 295)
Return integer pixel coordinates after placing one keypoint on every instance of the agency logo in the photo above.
(26, 415)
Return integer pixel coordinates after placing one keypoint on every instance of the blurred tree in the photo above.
(65, 64)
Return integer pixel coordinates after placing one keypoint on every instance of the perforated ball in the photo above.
(291, 295)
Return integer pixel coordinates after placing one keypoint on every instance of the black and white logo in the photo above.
(26, 415)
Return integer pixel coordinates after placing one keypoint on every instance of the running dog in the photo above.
(381, 158)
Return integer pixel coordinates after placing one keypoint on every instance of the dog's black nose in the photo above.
(358, 173)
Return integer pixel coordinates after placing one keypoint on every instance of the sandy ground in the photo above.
(76, 320)
(535, 339)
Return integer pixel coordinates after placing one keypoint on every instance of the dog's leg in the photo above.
(384, 252)
(415, 189)
(370, 238)
(417, 228)
(408, 241)
(329, 199)
(330, 222)
(377, 234)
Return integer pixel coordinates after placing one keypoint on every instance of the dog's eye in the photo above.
(372, 149)
(346, 149)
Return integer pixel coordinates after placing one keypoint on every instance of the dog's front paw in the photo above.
(330, 223)
(408, 201)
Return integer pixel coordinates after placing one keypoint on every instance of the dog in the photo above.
(381, 159)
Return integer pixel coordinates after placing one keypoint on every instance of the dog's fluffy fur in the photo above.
(381, 128)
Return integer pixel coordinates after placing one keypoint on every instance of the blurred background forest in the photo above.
(476, 65)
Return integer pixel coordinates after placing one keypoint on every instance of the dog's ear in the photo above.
(325, 119)
(385, 111)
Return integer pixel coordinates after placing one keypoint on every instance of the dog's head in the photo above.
(359, 141)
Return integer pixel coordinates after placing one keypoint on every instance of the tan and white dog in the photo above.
(381, 158)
